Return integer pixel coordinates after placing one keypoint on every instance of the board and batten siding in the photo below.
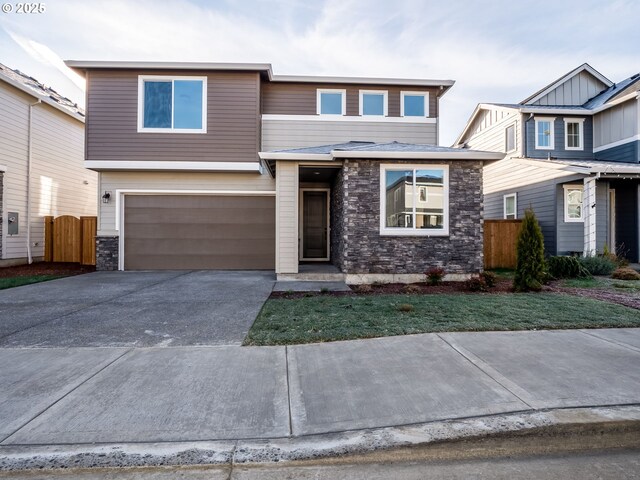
(171, 182)
(575, 91)
(233, 120)
(284, 98)
(285, 134)
(559, 150)
(534, 186)
(60, 185)
(616, 123)
(488, 131)
(287, 217)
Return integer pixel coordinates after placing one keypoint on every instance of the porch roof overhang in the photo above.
(390, 151)
(587, 167)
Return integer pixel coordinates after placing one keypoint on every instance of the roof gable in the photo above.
(574, 88)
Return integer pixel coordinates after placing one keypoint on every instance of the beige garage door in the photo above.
(185, 232)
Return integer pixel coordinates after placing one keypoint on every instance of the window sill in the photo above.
(413, 233)
(170, 130)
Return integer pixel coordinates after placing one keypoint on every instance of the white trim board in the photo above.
(348, 118)
(99, 165)
(616, 144)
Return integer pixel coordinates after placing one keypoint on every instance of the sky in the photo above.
(496, 51)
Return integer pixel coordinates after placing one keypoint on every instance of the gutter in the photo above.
(29, 161)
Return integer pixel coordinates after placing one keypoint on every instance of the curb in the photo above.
(531, 432)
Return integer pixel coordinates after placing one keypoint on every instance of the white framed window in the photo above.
(374, 103)
(574, 133)
(544, 133)
(510, 138)
(510, 206)
(573, 206)
(331, 102)
(414, 104)
(414, 200)
(172, 104)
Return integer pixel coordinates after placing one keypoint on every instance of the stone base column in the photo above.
(107, 253)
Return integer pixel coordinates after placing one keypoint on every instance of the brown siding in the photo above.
(233, 114)
(300, 98)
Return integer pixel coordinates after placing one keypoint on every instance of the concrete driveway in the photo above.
(134, 309)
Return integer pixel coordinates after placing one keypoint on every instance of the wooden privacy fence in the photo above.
(500, 239)
(70, 239)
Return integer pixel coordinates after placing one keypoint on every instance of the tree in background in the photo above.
(530, 266)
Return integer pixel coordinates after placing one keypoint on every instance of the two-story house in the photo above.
(228, 166)
(41, 165)
(572, 155)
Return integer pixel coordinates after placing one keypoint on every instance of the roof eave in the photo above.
(295, 156)
(42, 98)
(461, 155)
(363, 80)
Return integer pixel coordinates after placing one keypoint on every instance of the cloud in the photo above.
(496, 51)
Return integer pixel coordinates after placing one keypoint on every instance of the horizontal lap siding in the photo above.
(559, 150)
(60, 185)
(233, 103)
(284, 134)
(300, 98)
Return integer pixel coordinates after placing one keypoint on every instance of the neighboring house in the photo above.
(41, 164)
(573, 155)
(227, 166)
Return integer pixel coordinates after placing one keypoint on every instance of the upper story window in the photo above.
(414, 200)
(510, 206)
(414, 104)
(544, 133)
(172, 104)
(510, 138)
(331, 102)
(573, 209)
(373, 103)
(574, 133)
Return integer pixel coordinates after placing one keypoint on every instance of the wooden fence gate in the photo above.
(70, 239)
(500, 240)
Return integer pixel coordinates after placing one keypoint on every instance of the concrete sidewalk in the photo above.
(185, 394)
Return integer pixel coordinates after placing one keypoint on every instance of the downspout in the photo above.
(29, 157)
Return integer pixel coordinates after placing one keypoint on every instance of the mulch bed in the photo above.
(502, 286)
(46, 268)
(598, 294)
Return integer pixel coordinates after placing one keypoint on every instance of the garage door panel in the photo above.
(177, 232)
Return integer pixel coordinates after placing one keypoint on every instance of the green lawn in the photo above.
(26, 280)
(326, 318)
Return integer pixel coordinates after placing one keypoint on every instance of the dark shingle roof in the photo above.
(39, 90)
(374, 147)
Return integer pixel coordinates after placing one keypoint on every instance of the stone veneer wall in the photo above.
(107, 253)
(365, 251)
(337, 220)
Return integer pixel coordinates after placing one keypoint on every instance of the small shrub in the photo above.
(489, 278)
(530, 266)
(411, 289)
(476, 284)
(625, 273)
(566, 267)
(324, 290)
(435, 275)
(405, 307)
(598, 265)
(364, 288)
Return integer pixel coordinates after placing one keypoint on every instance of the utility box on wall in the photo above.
(12, 220)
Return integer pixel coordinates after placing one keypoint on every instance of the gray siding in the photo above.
(571, 234)
(283, 134)
(559, 145)
(575, 91)
(628, 152)
(300, 98)
(616, 123)
(488, 131)
(233, 120)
